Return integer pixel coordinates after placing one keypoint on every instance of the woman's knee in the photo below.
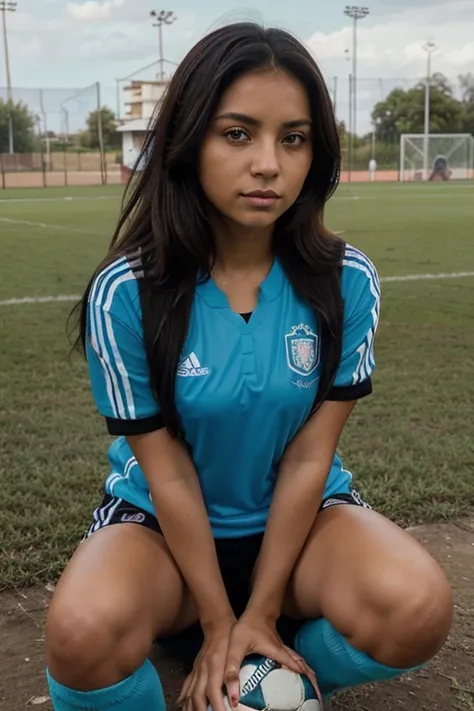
(107, 608)
(406, 618)
(91, 644)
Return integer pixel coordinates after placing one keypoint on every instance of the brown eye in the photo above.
(295, 139)
(236, 135)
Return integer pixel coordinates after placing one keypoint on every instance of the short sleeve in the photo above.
(116, 356)
(360, 287)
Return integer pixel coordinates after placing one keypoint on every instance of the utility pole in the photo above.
(356, 13)
(350, 137)
(164, 17)
(8, 6)
(429, 48)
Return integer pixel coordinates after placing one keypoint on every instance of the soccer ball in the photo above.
(266, 686)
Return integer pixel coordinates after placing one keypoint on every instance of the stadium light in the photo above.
(356, 13)
(430, 47)
(8, 6)
(164, 17)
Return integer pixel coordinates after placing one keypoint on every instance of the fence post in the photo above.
(43, 163)
(2, 171)
(65, 166)
(100, 129)
(350, 148)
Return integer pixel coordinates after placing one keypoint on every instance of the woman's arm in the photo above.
(180, 508)
(307, 461)
(302, 477)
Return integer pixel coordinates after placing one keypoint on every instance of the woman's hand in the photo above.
(204, 685)
(255, 635)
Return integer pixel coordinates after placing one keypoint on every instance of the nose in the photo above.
(265, 160)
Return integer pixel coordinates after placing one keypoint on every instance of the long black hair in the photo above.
(165, 212)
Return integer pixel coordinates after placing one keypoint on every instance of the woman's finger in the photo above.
(306, 670)
(185, 689)
(235, 656)
(281, 654)
(299, 664)
(312, 677)
(197, 694)
(214, 691)
(215, 682)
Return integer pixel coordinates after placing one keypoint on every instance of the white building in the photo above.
(141, 98)
(133, 137)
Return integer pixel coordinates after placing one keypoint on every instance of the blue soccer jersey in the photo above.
(243, 388)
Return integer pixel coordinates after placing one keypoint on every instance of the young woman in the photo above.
(228, 336)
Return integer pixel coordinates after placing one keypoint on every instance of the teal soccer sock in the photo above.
(336, 664)
(140, 691)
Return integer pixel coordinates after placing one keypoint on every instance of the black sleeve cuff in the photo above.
(124, 428)
(351, 392)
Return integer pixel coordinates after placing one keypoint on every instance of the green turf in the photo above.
(410, 445)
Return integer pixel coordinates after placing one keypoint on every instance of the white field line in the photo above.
(39, 300)
(389, 279)
(402, 196)
(389, 190)
(45, 226)
(426, 277)
(58, 199)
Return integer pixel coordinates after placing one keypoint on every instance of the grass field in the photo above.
(410, 446)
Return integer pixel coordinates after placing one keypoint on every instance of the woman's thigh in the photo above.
(120, 590)
(375, 583)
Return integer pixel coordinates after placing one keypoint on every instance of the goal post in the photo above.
(438, 156)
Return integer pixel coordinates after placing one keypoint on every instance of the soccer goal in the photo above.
(436, 157)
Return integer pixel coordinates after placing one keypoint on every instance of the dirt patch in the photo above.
(54, 179)
(446, 685)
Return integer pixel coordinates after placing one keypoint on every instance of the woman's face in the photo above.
(258, 149)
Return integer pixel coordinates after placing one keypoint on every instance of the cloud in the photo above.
(96, 11)
(92, 10)
(395, 6)
(116, 45)
(81, 41)
(391, 54)
(394, 47)
(74, 35)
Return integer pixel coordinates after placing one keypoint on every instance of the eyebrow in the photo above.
(250, 121)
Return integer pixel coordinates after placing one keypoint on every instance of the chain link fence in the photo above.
(57, 137)
(379, 138)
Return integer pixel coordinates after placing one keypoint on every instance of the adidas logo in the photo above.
(190, 367)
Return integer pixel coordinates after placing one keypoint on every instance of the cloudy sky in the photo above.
(64, 43)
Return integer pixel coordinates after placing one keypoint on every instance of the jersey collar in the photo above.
(270, 288)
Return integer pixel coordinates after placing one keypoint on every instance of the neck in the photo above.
(239, 249)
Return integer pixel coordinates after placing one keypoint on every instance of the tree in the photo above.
(111, 137)
(404, 111)
(439, 83)
(23, 123)
(466, 83)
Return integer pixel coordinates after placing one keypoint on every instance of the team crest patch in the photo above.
(302, 350)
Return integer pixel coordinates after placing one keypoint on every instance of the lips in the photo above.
(262, 198)
(263, 194)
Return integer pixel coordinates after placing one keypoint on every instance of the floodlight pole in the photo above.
(429, 48)
(164, 17)
(8, 6)
(356, 13)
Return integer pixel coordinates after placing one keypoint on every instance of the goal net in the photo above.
(436, 157)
